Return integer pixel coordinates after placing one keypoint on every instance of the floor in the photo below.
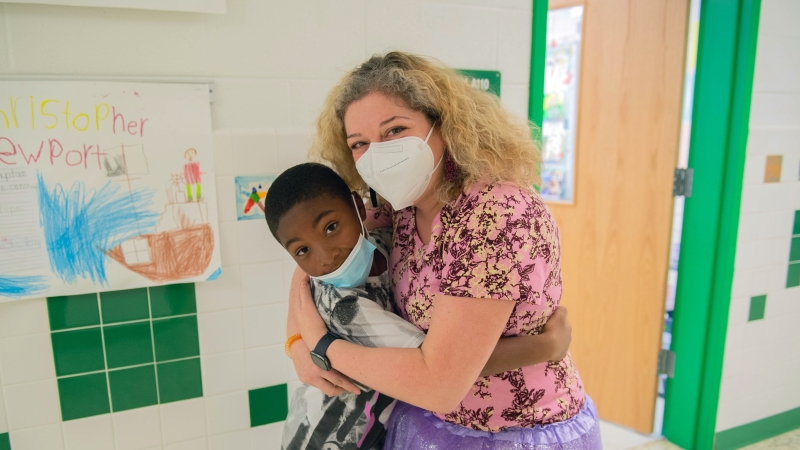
(616, 437)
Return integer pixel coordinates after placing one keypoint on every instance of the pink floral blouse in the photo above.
(497, 241)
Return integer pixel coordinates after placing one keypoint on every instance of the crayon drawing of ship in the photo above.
(182, 244)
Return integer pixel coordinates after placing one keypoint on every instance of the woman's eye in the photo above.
(395, 130)
(330, 228)
(357, 146)
(301, 251)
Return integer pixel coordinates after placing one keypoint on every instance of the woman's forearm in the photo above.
(519, 351)
(439, 374)
(292, 318)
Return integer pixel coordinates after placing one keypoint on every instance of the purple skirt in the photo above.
(412, 428)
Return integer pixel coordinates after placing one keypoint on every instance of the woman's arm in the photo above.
(436, 376)
(551, 344)
(330, 383)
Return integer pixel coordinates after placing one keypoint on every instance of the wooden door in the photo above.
(615, 237)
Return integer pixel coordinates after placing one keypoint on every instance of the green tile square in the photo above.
(796, 228)
(794, 251)
(176, 338)
(133, 388)
(124, 306)
(78, 351)
(72, 311)
(793, 277)
(173, 300)
(180, 380)
(268, 405)
(83, 396)
(5, 442)
(128, 345)
(757, 306)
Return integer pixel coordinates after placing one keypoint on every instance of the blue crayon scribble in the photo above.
(215, 275)
(81, 225)
(21, 286)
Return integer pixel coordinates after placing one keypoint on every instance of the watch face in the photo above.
(321, 362)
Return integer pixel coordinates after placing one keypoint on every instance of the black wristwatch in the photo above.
(318, 354)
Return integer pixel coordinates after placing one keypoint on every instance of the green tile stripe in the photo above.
(758, 431)
(268, 405)
(127, 349)
(124, 306)
(796, 228)
(793, 276)
(73, 311)
(793, 272)
(758, 305)
(538, 56)
(794, 251)
(5, 442)
(83, 396)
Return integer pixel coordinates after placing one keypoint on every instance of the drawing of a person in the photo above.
(191, 174)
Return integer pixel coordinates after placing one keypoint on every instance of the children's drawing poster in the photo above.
(104, 186)
(251, 190)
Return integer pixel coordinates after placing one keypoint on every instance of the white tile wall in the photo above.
(32, 404)
(138, 428)
(49, 437)
(759, 377)
(22, 318)
(224, 372)
(183, 421)
(272, 64)
(90, 433)
(227, 413)
(197, 444)
(265, 433)
(230, 441)
(3, 421)
(26, 358)
(220, 331)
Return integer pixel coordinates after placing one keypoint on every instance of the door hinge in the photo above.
(682, 183)
(666, 363)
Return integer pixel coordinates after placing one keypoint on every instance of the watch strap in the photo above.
(322, 346)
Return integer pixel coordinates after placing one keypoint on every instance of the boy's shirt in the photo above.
(365, 316)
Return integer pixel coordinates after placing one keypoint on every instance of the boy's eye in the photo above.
(331, 228)
(301, 251)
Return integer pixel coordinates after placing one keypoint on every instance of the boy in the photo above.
(318, 220)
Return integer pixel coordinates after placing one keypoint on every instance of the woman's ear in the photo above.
(362, 211)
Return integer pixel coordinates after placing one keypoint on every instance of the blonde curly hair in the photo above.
(487, 143)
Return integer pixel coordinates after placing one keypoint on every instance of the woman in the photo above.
(470, 236)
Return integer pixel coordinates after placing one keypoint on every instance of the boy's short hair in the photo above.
(299, 184)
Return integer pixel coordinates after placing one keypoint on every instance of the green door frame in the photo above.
(538, 49)
(720, 123)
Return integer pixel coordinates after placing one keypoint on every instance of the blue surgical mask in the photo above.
(355, 269)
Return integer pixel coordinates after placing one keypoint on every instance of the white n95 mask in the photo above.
(399, 170)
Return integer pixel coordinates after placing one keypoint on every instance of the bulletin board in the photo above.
(105, 186)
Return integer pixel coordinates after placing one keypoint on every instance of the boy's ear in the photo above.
(362, 211)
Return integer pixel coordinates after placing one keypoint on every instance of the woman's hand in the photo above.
(331, 383)
(312, 327)
(514, 352)
(559, 332)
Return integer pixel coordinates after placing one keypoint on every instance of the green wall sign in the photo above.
(485, 80)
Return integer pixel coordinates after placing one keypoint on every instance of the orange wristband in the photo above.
(292, 339)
